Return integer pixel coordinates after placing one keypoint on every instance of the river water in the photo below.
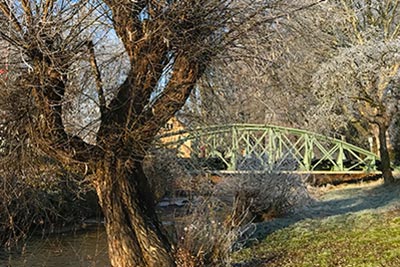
(85, 248)
(80, 249)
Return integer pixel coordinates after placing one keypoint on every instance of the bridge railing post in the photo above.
(234, 152)
(308, 152)
(341, 156)
(271, 147)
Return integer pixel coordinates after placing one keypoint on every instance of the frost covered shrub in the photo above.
(267, 195)
(206, 237)
(218, 214)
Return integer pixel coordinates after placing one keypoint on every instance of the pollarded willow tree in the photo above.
(62, 68)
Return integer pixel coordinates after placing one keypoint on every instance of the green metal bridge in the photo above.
(252, 147)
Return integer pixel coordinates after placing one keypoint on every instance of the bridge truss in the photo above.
(241, 147)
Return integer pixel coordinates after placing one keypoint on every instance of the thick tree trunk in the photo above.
(135, 237)
(395, 139)
(385, 158)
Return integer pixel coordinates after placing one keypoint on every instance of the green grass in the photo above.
(363, 239)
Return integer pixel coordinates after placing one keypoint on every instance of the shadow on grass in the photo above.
(338, 202)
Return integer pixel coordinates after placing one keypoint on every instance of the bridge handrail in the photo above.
(213, 129)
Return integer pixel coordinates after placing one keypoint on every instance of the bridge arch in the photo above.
(261, 147)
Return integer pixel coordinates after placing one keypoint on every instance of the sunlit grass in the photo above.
(364, 239)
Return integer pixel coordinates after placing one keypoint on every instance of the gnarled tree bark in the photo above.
(135, 236)
(384, 153)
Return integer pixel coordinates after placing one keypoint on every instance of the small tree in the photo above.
(365, 79)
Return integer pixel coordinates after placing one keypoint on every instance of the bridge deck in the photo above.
(316, 178)
(227, 172)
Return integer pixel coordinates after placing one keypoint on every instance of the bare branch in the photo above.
(127, 22)
(174, 96)
(48, 7)
(10, 15)
(27, 10)
(97, 77)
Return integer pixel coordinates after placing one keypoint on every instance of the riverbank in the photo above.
(354, 225)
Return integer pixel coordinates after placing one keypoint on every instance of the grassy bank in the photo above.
(368, 237)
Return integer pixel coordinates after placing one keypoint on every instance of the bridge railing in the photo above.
(262, 147)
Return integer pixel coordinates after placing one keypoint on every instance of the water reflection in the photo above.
(81, 249)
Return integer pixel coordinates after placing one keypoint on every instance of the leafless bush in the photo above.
(166, 172)
(39, 204)
(267, 195)
(205, 237)
(170, 174)
(203, 231)
(223, 222)
(218, 216)
(36, 192)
